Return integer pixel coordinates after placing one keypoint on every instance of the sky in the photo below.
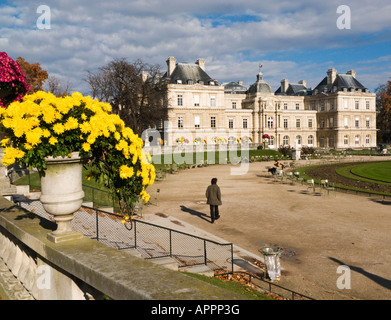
(294, 40)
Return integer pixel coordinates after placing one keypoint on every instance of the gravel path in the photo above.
(319, 233)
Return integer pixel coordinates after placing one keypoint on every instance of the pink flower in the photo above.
(12, 81)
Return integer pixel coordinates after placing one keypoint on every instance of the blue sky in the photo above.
(296, 40)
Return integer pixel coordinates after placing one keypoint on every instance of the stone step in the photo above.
(23, 189)
(89, 204)
(166, 262)
(106, 209)
(200, 269)
(133, 252)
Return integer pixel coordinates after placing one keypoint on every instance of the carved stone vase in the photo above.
(62, 194)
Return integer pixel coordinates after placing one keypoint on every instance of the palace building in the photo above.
(339, 113)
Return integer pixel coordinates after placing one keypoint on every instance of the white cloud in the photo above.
(85, 35)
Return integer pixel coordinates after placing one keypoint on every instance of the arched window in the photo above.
(310, 140)
(298, 139)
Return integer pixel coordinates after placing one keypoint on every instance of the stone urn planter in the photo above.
(62, 194)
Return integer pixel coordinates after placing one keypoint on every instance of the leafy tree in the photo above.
(137, 92)
(35, 75)
(383, 106)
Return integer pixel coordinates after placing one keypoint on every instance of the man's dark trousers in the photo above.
(214, 213)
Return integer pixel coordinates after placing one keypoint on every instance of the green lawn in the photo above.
(380, 171)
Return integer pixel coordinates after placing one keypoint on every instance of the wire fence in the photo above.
(151, 241)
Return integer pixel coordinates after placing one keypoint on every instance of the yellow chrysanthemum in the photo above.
(86, 147)
(125, 172)
(71, 123)
(53, 140)
(58, 128)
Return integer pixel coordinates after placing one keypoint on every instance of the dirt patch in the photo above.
(328, 172)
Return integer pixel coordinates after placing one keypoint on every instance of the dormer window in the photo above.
(190, 81)
(212, 83)
(179, 81)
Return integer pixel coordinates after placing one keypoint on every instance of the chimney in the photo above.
(303, 82)
(201, 63)
(352, 73)
(171, 63)
(284, 85)
(331, 76)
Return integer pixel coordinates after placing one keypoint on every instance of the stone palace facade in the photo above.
(340, 113)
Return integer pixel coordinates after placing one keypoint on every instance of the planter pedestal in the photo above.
(62, 195)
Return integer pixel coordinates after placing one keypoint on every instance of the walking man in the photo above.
(213, 196)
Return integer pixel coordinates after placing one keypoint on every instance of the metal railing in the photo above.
(155, 241)
(269, 287)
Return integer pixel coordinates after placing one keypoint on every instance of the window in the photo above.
(356, 104)
(357, 123)
(309, 123)
(212, 101)
(196, 121)
(331, 141)
(321, 124)
(367, 123)
(285, 123)
(285, 106)
(345, 140)
(233, 104)
(196, 101)
(297, 106)
(331, 105)
(270, 122)
(345, 104)
(313, 106)
(367, 139)
(271, 141)
(285, 140)
(322, 106)
(180, 100)
(367, 105)
(297, 123)
(345, 122)
(213, 122)
(298, 140)
(231, 123)
(244, 123)
(310, 140)
(180, 122)
(321, 141)
(331, 122)
(357, 139)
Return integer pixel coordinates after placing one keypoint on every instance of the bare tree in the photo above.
(137, 92)
(54, 85)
